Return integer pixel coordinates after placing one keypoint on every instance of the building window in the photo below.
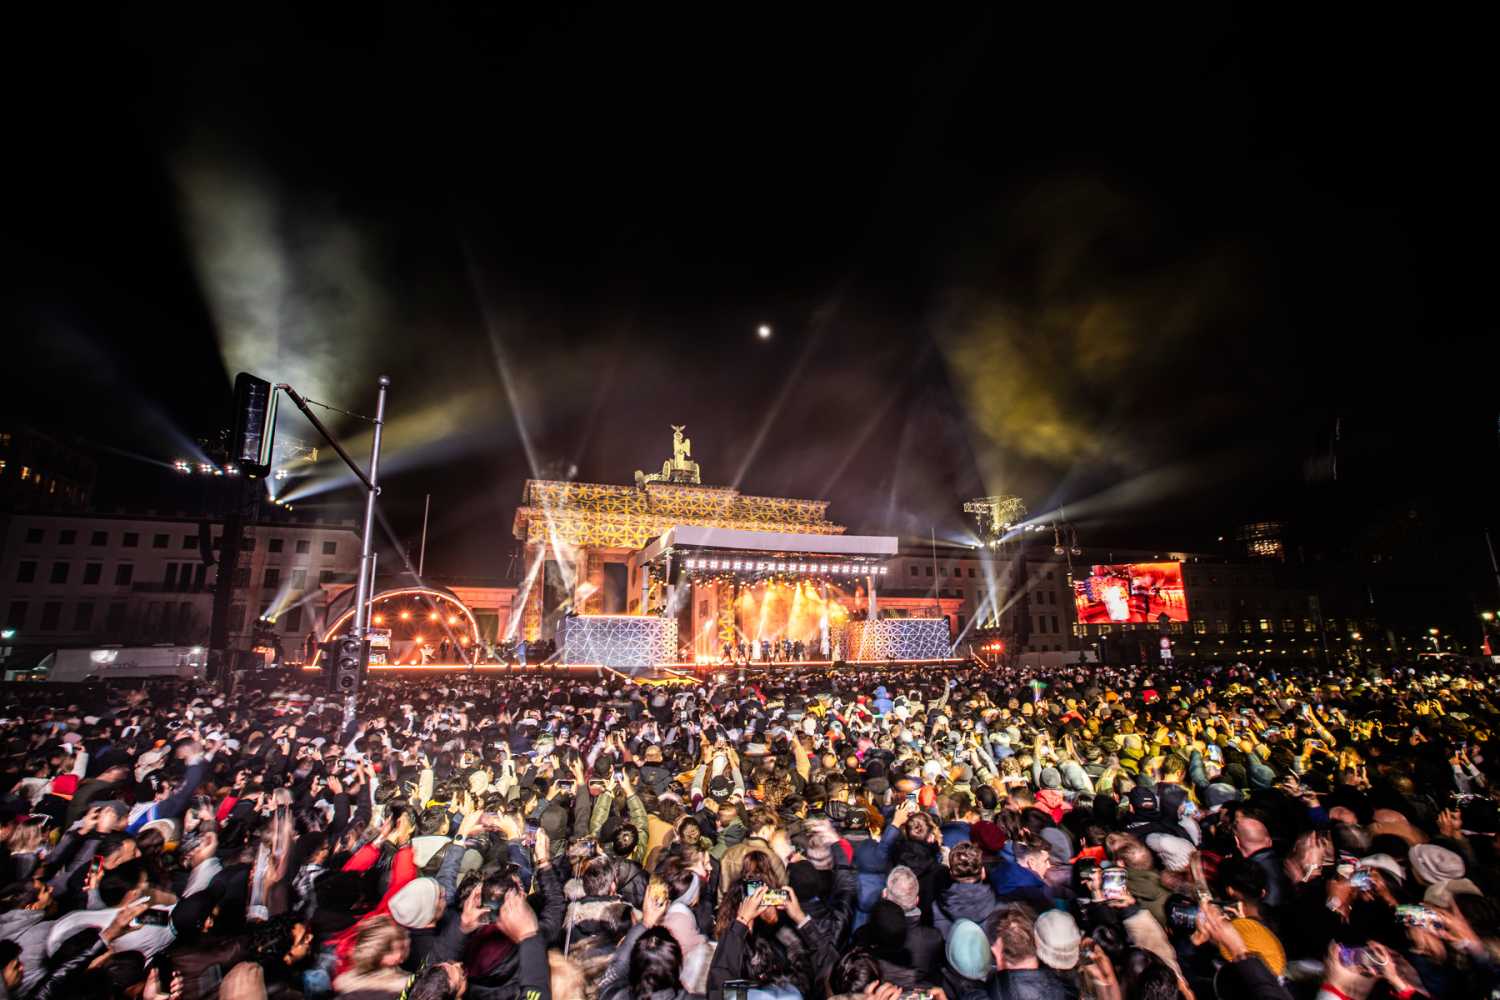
(330, 548)
(51, 615)
(242, 577)
(1246, 626)
(928, 569)
(26, 571)
(91, 573)
(15, 616)
(169, 579)
(247, 543)
(131, 540)
(34, 536)
(273, 577)
(299, 579)
(1288, 625)
(274, 545)
(1200, 627)
(99, 539)
(59, 573)
(1049, 574)
(293, 620)
(971, 572)
(83, 616)
(326, 576)
(67, 536)
(303, 546)
(114, 619)
(1265, 625)
(124, 573)
(1055, 629)
(189, 542)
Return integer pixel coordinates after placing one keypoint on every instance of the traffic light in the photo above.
(254, 425)
(344, 662)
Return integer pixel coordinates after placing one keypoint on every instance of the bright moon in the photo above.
(764, 332)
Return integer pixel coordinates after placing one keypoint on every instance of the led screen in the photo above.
(1131, 592)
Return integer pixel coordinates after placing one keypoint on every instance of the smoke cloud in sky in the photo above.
(291, 283)
(1072, 362)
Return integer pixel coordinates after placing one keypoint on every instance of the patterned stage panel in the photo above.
(893, 639)
(618, 640)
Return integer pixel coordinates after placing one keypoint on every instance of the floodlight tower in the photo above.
(995, 517)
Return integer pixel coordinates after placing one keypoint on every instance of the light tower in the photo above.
(995, 516)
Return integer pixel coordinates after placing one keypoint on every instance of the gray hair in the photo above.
(901, 887)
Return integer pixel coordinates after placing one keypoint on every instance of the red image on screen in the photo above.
(1131, 592)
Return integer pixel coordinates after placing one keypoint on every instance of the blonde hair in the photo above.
(375, 939)
(568, 980)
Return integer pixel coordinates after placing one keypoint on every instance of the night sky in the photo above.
(1137, 262)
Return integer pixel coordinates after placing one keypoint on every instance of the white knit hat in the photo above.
(415, 905)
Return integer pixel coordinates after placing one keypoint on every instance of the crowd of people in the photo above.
(991, 832)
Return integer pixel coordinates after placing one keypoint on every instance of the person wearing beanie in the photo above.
(417, 904)
(1431, 864)
(1057, 940)
(884, 936)
(1018, 970)
(968, 954)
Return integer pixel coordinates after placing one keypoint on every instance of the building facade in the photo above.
(79, 579)
(40, 472)
(978, 590)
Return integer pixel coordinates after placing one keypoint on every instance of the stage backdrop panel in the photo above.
(893, 639)
(618, 640)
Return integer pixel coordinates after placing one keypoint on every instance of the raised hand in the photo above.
(751, 907)
(517, 920)
(473, 915)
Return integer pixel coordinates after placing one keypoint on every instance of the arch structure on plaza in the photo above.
(414, 616)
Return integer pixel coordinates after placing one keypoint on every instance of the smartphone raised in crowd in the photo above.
(1112, 883)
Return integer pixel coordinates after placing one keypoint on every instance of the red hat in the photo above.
(989, 837)
(65, 785)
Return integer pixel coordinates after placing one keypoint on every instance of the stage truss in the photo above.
(618, 640)
(892, 639)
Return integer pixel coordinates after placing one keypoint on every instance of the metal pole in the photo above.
(422, 552)
(366, 579)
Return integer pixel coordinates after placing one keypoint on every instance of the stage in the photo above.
(686, 673)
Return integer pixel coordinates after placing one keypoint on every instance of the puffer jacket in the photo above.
(872, 860)
(963, 901)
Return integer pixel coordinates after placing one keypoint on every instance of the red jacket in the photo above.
(403, 870)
